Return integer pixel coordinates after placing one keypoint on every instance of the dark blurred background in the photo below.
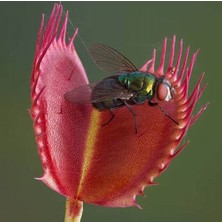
(191, 188)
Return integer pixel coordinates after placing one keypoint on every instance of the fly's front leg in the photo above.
(151, 103)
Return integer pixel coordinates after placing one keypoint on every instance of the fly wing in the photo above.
(107, 89)
(79, 95)
(110, 60)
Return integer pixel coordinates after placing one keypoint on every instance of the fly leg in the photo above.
(165, 112)
(134, 117)
(151, 103)
(111, 118)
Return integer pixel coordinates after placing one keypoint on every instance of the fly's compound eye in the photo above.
(164, 91)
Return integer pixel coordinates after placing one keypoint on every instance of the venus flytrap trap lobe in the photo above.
(108, 165)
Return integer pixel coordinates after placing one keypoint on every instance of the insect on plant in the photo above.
(75, 151)
(126, 87)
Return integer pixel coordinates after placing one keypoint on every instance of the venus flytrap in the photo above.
(110, 165)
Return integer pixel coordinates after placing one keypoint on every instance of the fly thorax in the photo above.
(149, 85)
(139, 99)
(123, 79)
(135, 81)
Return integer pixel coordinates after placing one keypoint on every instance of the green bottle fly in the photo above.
(126, 87)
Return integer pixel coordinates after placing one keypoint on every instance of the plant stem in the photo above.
(74, 210)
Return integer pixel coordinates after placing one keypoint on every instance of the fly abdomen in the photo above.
(108, 104)
(109, 94)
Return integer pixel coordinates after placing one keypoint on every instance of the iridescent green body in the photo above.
(140, 83)
(139, 87)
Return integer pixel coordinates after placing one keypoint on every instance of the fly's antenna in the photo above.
(166, 113)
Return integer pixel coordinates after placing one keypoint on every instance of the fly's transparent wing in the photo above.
(79, 95)
(107, 89)
(110, 60)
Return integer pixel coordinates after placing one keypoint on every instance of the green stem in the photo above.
(74, 210)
